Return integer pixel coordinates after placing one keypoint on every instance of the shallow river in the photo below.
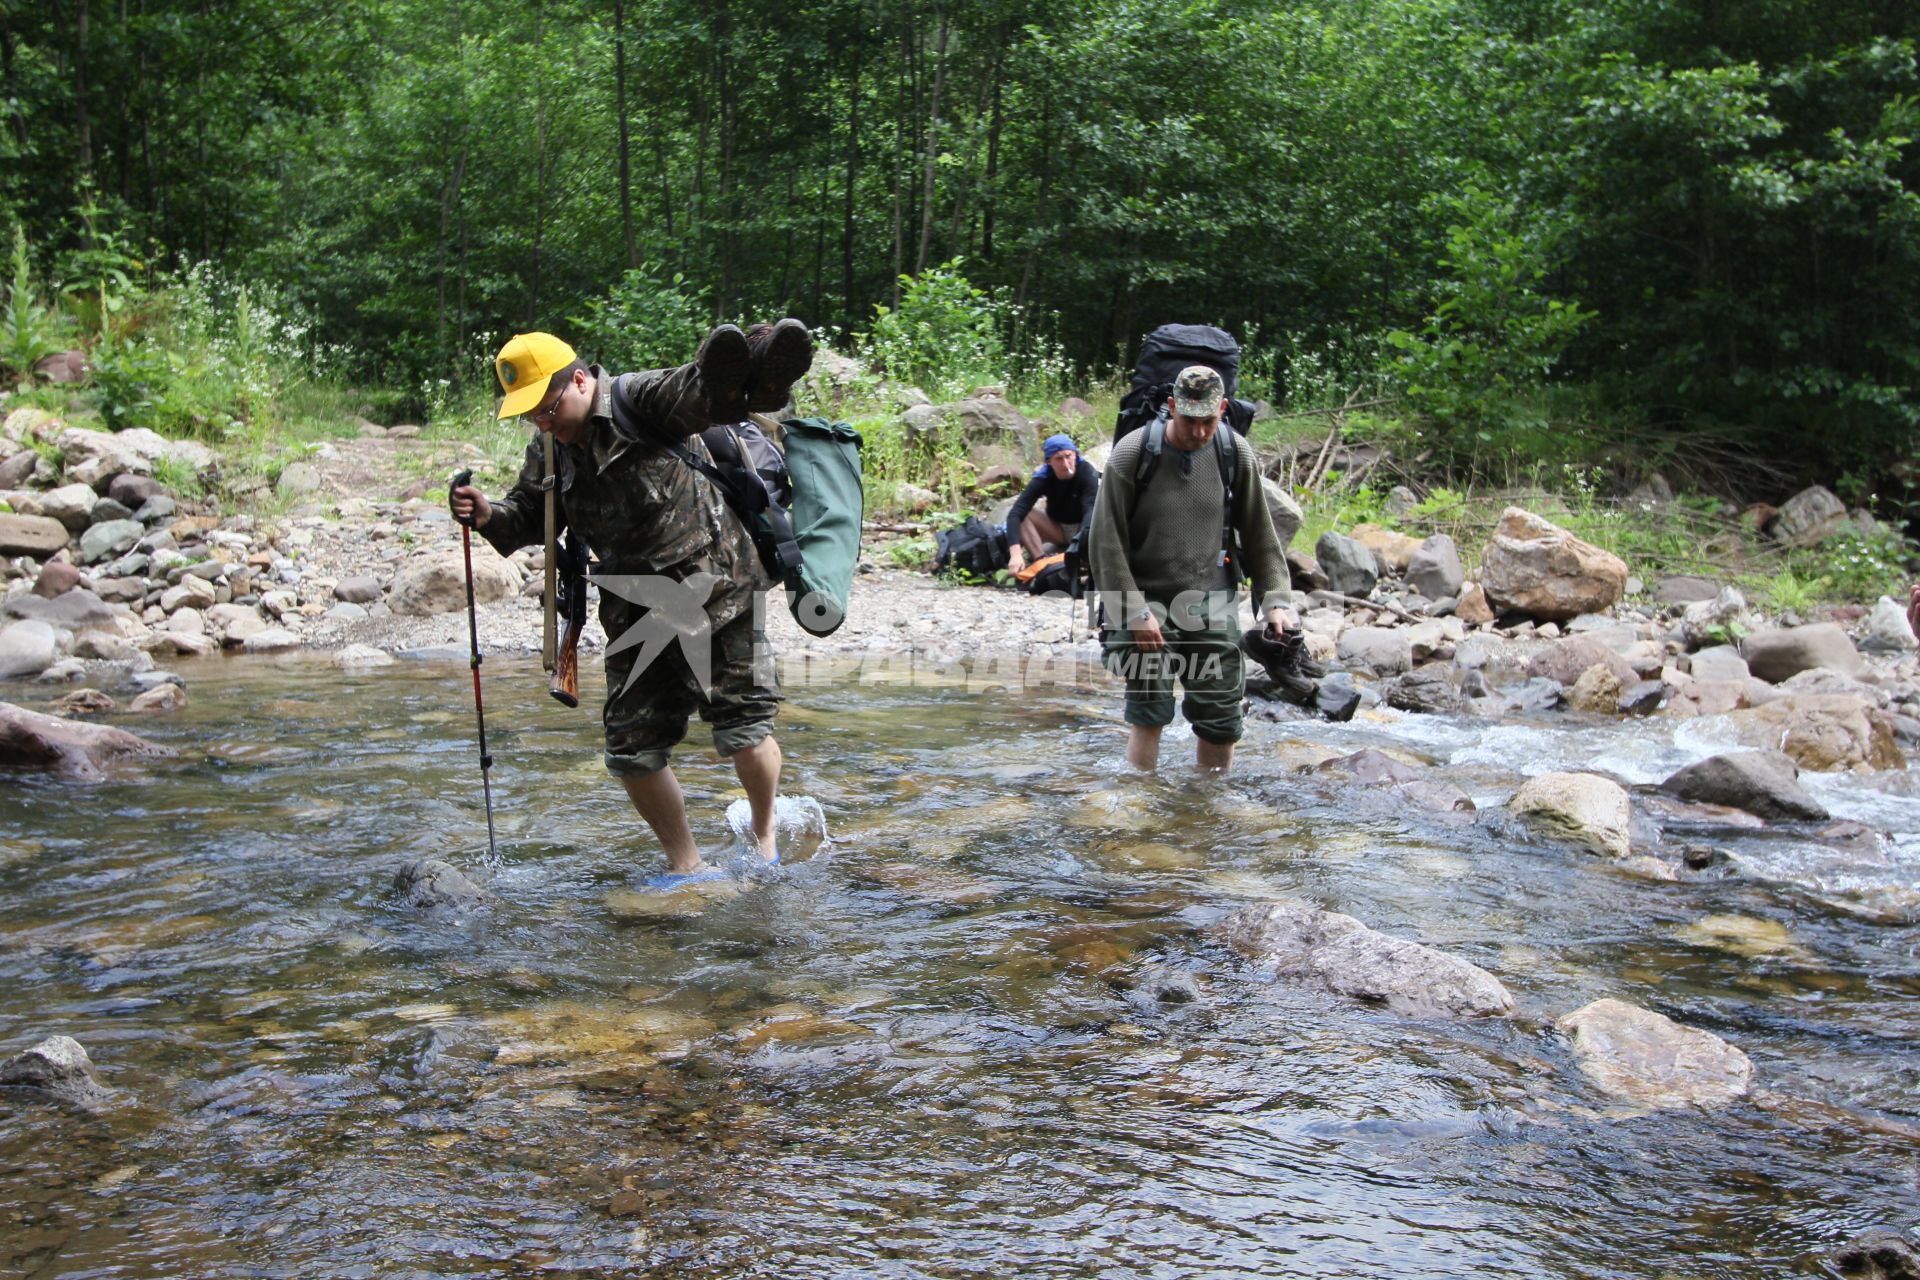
(933, 1048)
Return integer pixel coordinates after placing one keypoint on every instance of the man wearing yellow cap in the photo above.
(662, 529)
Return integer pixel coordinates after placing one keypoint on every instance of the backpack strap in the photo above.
(1226, 449)
(770, 528)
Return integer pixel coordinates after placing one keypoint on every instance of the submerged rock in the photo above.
(431, 883)
(1779, 655)
(1650, 1059)
(1878, 1255)
(58, 1067)
(1764, 782)
(1298, 940)
(1822, 732)
(1582, 807)
(48, 744)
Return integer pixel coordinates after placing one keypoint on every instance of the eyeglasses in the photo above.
(546, 412)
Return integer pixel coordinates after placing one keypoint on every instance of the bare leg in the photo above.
(1213, 757)
(1037, 530)
(1143, 747)
(758, 767)
(658, 799)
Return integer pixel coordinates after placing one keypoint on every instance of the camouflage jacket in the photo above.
(641, 508)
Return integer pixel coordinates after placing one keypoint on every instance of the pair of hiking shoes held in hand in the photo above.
(1297, 677)
(753, 371)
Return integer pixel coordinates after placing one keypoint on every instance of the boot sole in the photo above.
(788, 355)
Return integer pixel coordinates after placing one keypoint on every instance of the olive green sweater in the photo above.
(1166, 540)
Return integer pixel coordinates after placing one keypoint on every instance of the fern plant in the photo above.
(29, 331)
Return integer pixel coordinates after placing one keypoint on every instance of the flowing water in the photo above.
(935, 1048)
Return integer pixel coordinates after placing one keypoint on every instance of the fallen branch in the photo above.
(876, 526)
(1385, 606)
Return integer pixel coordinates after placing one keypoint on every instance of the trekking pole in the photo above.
(473, 641)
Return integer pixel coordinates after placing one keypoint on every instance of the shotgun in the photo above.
(571, 607)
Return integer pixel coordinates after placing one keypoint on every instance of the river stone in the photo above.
(36, 536)
(192, 593)
(1425, 689)
(1370, 767)
(15, 468)
(1765, 783)
(1473, 608)
(1285, 512)
(362, 589)
(46, 744)
(1582, 807)
(1812, 515)
(1643, 1057)
(1597, 691)
(104, 646)
(271, 640)
(1534, 567)
(438, 584)
(155, 509)
(105, 509)
(1304, 571)
(57, 1066)
(105, 541)
(431, 883)
(1642, 698)
(1394, 550)
(71, 505)
(73, 610)
(1888, 630)
(82, 702)
(57, 577)
(27, 649)
(1385, 651)
(1298, 940)
(362, 656)
(1682, 588)
(1565, 661)
(988, 428)
(162, 697)
(1350, 568)
(234, 623)
(1719, 662)
(1434, 569)
(1822, 732)
(1776, 655)
(132, 491)
(297, 479)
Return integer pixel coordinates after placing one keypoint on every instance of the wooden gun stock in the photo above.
(564, 684)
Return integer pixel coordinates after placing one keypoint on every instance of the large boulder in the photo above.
(1434, 569)
(27, 649)
(70, 610)
(1778, 655)
(438, 583)
(46, 744)
(59, 1068)
(988, 430)
(1764, 783)
(1822, 732)
(1582, 807)
(1300, 941)
(1349, 566)
(1812, 515)
(1395, 550)
(431, 883)
(36, 536)
(1537, 568)
(1645, 1058)
(94, 458)
(1286, 513)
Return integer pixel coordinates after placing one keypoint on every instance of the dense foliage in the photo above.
(1704, 217)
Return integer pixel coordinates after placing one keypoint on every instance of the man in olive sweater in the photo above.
(1167, 575)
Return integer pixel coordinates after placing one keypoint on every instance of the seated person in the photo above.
(1066, 485)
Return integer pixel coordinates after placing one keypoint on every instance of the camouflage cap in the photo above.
(1197, 392)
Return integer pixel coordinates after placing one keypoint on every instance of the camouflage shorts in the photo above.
(648, 718)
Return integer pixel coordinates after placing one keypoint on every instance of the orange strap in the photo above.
(1040, 566)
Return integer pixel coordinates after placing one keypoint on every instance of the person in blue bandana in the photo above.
(1064, 485)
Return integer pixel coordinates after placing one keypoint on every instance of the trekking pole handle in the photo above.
(460, 480)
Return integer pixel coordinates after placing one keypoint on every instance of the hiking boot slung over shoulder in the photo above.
(782, 354)
(725, 361)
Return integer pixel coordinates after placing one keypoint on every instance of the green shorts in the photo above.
(647, 719)
(1207, 664)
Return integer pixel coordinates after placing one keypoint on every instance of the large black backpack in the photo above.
(975, 547)
(1163, 354)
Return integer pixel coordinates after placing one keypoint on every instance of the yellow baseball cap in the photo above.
(525, 365)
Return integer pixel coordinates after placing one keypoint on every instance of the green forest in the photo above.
(1641, 232)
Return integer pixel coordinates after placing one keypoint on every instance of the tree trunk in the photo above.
(931, 156)
(993, 147)
(83, 125)
(539, 169)
(899, 174)
(846, 222)
(620, 109)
